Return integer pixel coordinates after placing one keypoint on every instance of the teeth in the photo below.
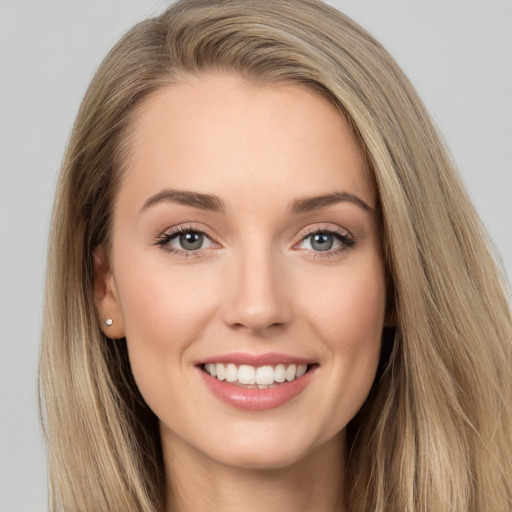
(231, 373)
(301, 370)
(246, 374)
(262, 376)
(221, 371)
(211, 369)
(291, 372)
(280, 373)
(265, 375)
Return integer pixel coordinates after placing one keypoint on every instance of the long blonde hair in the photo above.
(435, 433)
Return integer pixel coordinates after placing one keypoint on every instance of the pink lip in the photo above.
(252, 399)
(270, 358)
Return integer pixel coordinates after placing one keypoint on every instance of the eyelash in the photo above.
(346, 239)
(164, 239)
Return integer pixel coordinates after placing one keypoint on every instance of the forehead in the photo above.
(221, 135)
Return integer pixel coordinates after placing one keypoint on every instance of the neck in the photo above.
(197, 482)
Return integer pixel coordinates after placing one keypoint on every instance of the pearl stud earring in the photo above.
(109, 322)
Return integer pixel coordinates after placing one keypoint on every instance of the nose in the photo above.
(257, 299)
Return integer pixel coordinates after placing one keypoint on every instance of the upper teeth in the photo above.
(261, 375)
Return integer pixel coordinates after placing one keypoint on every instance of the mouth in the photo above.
(257, 386)
(256, 377)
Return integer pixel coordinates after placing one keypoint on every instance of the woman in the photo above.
(267, 288)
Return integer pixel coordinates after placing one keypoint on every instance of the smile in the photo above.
(261, 377)
(256, 383)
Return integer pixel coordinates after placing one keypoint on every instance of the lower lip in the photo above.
(252, 399)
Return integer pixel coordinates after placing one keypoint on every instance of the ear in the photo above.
(106, 296)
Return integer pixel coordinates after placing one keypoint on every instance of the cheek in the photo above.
(164, 313)
(349, 308)
(348, 318)
(161, 301)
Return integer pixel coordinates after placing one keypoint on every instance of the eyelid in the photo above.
(162, 240)
(325, 228)
(346, 239)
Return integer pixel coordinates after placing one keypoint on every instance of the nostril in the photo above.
(258, 326)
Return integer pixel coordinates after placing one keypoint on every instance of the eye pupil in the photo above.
(322, 241)
(191, 240)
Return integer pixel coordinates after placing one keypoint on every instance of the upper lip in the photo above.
(269, 358)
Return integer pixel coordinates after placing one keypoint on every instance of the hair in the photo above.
(435, 432)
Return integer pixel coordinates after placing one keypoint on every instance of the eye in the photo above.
(321, 241)
(326, 240)
(189, 241)
(184, 240)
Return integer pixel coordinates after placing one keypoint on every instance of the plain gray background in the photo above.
(458, 54)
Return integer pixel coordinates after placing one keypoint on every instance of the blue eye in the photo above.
(190, 241)
(184, 240)
(326, 241)
(322, 241)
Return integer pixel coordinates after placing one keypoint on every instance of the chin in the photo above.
(262, 458)
(271, 451)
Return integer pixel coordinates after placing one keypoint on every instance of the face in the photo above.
(246, 270)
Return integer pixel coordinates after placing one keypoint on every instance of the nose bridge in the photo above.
(257, 300)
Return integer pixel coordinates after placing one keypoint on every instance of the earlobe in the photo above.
(106, 296)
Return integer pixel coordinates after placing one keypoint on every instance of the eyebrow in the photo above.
(214, 203)
(309, 204)
(187, 198)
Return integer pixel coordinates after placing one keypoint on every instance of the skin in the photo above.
(257, 285)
